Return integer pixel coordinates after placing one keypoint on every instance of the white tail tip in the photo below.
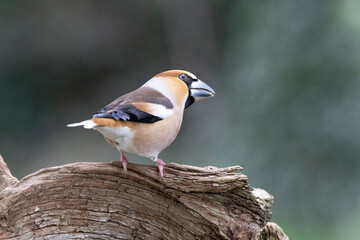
(74, 125)
(88, 124)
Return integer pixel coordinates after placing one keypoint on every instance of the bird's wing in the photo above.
(144, 105)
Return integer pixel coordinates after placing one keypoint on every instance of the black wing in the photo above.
(127, 113)
(122, 109)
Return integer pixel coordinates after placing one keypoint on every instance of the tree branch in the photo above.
(97, 201)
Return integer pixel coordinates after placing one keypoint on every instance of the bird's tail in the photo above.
(88, 124)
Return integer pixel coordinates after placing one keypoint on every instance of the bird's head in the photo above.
(181, 87)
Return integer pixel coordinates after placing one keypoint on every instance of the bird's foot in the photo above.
(124, 162)
(160, 164)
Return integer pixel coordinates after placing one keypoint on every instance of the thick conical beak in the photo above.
(200, 90)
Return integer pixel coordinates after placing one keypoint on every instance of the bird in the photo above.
(148, 119)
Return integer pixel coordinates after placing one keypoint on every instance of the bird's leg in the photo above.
(160, 164)
(123, 161)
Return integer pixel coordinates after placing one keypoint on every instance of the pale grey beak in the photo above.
(200, 90)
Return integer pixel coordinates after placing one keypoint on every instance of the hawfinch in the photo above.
(147, 120)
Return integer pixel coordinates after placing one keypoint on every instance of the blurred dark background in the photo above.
(286, 74)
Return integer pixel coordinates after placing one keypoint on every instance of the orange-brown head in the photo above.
(181, 87)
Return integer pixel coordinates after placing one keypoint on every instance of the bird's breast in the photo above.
(151, 139)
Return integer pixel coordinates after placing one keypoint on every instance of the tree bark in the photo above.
(98, 201)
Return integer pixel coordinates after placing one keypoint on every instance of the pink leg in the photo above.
(160, 164)
(124, 161)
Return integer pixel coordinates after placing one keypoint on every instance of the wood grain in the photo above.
(97, 201)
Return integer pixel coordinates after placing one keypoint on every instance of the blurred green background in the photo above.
(286, 74)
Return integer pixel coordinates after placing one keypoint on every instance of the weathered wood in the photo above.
(6, 178)
(97, 201)
(271, 231)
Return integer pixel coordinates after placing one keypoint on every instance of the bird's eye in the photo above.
(183, 77)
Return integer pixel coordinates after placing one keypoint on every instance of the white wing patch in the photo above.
(157, 110)
(154, 109)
